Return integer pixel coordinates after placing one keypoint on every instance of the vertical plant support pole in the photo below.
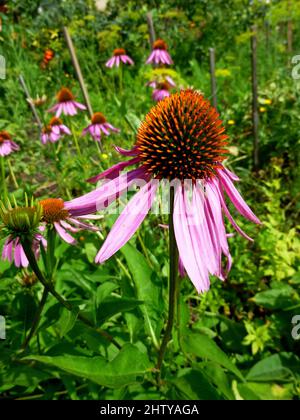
(255, 118)
(151, 29)
(78, 70)
(289, 29)
(31, 104)
(212, 63)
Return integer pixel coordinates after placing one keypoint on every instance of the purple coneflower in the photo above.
(99, 125)
(66, 103)
(13, 250)
(54, 131)
(161, 91)
(181, 139)
(159, 54)
(119, 56)
(61, 217)
(7, 146)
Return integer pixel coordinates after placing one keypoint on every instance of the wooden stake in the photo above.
(212, 62)
(78, 70)
(151, 29)
(289, 30)
(255, 118)
(29, 100)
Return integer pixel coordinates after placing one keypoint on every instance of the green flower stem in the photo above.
(36, 319)
(121, 79)
(99, 148)
(26, 243)
(3, 181)
(75, 137)
(12, 174)
(173, 287)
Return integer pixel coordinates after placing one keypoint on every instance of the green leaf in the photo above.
(105, 290)
(281, 367)
(279, 298)
(265, 391)
(66, 321)
(203, 346)
(192, 384)
(114, 305)
(148, 289)
(24, 376)
(126, 368)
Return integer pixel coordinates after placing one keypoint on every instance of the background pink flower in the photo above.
(159, 54)
(119, 56)
(7, 146)
(66, 104)
(54, 131)
(99, 125)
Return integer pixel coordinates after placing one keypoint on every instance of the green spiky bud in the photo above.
(20, 221)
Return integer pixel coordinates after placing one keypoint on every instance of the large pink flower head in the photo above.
(181, 141)
(54, 131)
(66, 103)
(7, 146)
(159, 54)
(99, 125)
(119, 57)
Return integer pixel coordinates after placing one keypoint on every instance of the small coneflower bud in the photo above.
(18, 221)
(64, 95)
(182, 137)
(53, 210)
(27, 279)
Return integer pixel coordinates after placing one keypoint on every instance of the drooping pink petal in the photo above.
(124, 152)
(79, 105)
(64, 234)
(226, 211)
(185, 242)
(236, 197)
(150, 58)
(210, 257)
(128, 222)
(218, 222)
(113, 171)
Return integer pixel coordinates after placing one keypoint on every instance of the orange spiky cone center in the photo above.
(55, 121)
(53, 210)
(159, 44)
(4, 136)
(119, 51)
(182, 138)
(163, 86)
(98, 118)
(65, 95)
